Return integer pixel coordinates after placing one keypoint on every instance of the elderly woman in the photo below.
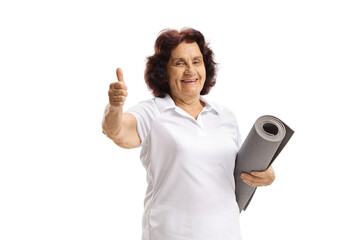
(188, 143)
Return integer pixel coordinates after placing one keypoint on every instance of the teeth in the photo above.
(189, 81)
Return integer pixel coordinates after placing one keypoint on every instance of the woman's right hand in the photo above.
(119, 127)
(118, 91)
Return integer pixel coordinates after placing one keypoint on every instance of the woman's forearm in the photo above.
(111, 124)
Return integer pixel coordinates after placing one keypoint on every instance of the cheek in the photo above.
(173, 78)
(169, 75)
(176, 75)
(202, 72)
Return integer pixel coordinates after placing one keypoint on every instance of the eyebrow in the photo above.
(182, 59)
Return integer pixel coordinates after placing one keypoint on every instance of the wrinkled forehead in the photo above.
(186, 50)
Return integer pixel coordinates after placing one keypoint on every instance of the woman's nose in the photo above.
(189, 70)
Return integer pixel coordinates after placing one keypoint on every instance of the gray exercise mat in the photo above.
(265, 141)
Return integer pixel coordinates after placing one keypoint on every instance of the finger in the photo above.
(248, 176)
(119, 75)
(118, 98)
(120, 93)
(115, 85)
(248, 179)
(256, 184)
(256, 181)
(268, 173)
(117, 92)
(118, 85)
(251, 183)
(259, 174)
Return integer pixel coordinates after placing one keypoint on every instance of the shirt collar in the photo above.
(167, 102)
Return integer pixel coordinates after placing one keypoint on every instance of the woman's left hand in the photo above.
(259, 179)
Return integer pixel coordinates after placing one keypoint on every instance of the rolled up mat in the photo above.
(265, 141)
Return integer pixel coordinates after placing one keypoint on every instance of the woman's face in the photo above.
(185, 71)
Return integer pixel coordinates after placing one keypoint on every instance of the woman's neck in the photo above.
(192, 106)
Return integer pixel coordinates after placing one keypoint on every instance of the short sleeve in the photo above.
(145, 113)
(237, 131)
(239, 140)
(234, 123)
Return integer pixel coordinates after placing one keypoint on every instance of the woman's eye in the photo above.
(179, 63)
(197, 62)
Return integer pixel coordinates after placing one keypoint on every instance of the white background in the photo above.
(61, 178)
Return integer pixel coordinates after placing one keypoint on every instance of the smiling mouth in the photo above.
(189, 80)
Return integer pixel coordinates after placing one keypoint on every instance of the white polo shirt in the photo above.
(190, 167)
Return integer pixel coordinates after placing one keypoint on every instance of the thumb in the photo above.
(119, 75)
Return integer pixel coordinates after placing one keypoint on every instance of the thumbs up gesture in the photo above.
(118, 90)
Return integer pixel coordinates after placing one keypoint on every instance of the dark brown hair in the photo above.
(167, 41)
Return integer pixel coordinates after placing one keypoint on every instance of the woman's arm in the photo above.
(118, 126)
